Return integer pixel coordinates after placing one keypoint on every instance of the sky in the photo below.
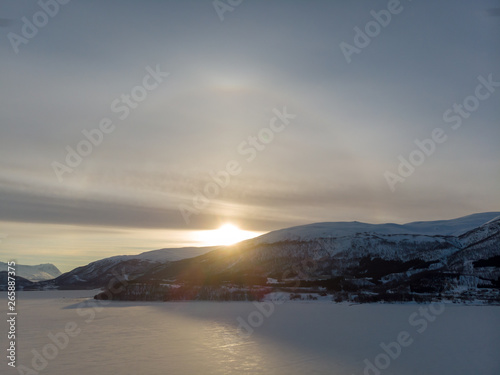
(129, 126)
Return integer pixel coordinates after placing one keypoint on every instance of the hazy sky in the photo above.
(355, 105)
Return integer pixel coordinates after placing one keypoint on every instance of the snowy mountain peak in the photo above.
(39, 272)
(453, 227)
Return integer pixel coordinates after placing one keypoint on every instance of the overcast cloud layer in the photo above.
(225, 79)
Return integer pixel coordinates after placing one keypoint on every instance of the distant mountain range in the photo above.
(21, 282)
(455, 259)
(34, 273)
(28, 276)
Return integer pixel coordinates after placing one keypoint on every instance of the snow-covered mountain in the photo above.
(422, 240)
(39, 272)
(101, 272)
(454, 227)
(435, 257)
(459, 255)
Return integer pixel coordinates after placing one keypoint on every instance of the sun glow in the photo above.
(227, 234)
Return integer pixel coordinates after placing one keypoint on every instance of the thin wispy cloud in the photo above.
(353, 120)
(493, 12)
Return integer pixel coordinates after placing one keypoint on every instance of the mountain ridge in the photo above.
(100, 272)
(39, 272)
(383, 261)
(349, 260)
(455, 227)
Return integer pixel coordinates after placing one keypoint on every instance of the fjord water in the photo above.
(210, 338)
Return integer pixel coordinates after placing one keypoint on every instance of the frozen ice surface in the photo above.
(204, 338)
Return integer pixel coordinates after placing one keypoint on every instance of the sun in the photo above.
(226, 234)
